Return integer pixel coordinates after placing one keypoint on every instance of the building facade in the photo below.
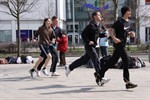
(29, 22)
(68, 20)
(82, 15)
(144, 20)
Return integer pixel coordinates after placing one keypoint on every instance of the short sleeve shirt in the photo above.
(122, 27)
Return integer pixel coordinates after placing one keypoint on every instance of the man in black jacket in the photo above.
(89, 36)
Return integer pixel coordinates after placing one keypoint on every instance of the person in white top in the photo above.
(104, 42)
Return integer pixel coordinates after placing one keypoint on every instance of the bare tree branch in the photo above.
(49, 9)
(15, 8)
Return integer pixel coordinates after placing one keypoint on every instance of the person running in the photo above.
(53, 51)
(122, 29)
(104, 42)
(89, 36)
(46, 37)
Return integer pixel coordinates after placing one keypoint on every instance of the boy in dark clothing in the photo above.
(122, 29)
(89, 36)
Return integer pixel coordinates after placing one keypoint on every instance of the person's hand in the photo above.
(106, 35)
(34, 40)
(91, 43)
(132, 34)
(116, 40)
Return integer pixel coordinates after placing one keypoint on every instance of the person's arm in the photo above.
(111, 32)
(131, 34)
(36, 35)
(53, 37)
(85, 35)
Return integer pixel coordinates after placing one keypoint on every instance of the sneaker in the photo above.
(60, 65)
(39, 73)
(31, 73)
(130, 85)
(97, 78)
(100, 80)
(104, 81)
(67, 70)
(55, 74)
(45, 72)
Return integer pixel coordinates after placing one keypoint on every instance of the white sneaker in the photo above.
(104, 81)
(55, 74)
(45, 72)
(39, 73)
(67, 70)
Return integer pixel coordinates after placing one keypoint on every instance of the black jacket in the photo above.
(91, 33)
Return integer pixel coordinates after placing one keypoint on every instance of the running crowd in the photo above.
(52, 39)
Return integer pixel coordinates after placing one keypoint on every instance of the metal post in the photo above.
(73, 17)
(149, 51)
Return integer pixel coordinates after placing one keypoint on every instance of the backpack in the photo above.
(11, 60)
(104, 59)
(134, 62)
(23, 59)
(3, 61)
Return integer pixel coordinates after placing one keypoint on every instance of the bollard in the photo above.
(149, 52)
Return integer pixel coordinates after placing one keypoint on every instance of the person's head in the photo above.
(55, 20)
(62, 33)
(126, 11)
(97, 16)
(47, 22)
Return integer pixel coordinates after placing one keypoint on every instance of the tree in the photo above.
(49, 9)
(16, 8)
(141, 13)
(115, 9)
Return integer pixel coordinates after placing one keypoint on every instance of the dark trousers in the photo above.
(90, 53)
(54, 60)
(118, 52)
(41, 64)
(104, 50)
(62, 58)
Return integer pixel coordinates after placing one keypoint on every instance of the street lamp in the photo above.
(73, 17)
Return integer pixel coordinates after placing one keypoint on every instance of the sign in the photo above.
(96, 8)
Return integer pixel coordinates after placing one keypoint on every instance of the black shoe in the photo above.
(31, 72)
(97, 78)
(130, 85)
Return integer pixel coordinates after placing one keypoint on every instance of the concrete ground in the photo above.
(16, 84)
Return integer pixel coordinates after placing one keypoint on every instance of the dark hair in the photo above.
(62, 33)
(124, 9)
(94, 14)
(45, 21)
(54, 17)
(103, 28)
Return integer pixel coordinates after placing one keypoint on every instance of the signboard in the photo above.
(96, 8)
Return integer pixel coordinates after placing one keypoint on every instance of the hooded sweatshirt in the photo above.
(91, 33)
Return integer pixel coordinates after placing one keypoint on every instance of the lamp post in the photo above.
(73, 17)
(149, 51)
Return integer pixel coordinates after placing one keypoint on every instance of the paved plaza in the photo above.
(16, 84)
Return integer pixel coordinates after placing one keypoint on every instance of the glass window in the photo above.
(5, 36)
(147, 36)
